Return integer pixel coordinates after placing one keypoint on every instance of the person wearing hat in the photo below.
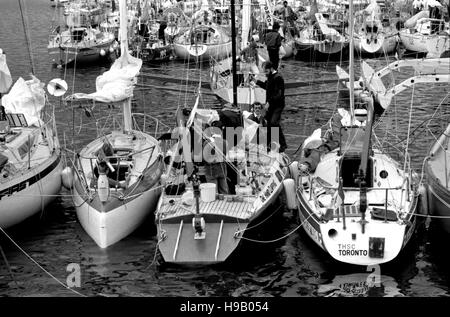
(273, 43)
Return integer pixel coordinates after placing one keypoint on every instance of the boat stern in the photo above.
(380, 241)
(179, 243)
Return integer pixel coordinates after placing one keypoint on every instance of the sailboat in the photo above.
(323, 39)
(82, 41)
(354, 201)
(425, 34)
(196, 222)
(208, 36)
(116, 179)
(30, 156)
(375, 34)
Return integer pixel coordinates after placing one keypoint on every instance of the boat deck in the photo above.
(172, 207)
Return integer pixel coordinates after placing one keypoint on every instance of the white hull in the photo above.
(218, 51)
(33, 199)
(343, 248)
(382, 45)
(433, 44)
(122, 209)
(389, 217)
(109, 227)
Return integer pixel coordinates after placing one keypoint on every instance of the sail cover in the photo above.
(26, 97)
(117, 83)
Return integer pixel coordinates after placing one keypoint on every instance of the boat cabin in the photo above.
(351, 147)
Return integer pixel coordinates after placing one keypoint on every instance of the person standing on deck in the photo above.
(275, 102)
(162, 26)
(289, 18)
(273, 43)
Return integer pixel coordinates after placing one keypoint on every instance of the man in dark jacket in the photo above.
(273, 44)
(275, 99)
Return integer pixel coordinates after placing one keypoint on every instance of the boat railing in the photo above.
(404, 186)
(150, 124)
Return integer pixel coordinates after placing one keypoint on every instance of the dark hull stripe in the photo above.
(32, 180)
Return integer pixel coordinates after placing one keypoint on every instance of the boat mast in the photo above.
(351, 61)
(126, 106)
(233, 51)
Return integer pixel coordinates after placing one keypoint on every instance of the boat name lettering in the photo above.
(269, 190)
(346, 246)
(13, 189)
(353, 252)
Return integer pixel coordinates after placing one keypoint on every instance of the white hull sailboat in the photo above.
(30, 156)
(116, 180)
(374, 32)
(375, 38)
(82, 41)
(207, 41)
(353, 200)
(417, 36)
(322, 42)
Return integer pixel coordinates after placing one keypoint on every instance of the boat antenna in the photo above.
(27, 35)
(351, 62)
(233, 51)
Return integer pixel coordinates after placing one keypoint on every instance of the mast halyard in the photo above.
(126, 105)
(351, 61)
(233, 51)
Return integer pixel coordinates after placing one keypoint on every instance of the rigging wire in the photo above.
(27, 35)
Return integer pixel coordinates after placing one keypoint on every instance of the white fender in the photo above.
(289, 190)
(293, 171)
(67, 177)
